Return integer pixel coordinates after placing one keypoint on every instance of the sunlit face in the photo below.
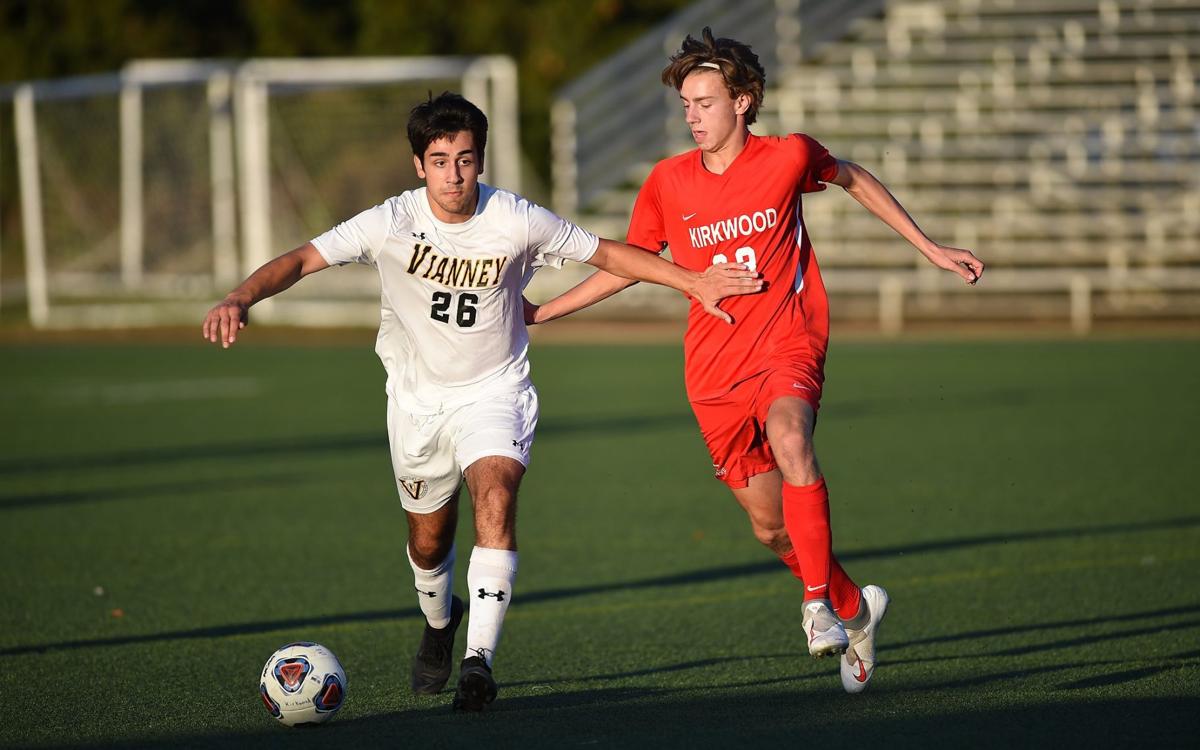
(713, 115)
(451, 167)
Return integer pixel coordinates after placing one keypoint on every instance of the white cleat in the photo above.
(858, 662)
(825, 632)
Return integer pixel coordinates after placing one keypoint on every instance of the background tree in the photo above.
(551, 40)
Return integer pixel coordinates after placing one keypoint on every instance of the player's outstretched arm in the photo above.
(231, 314)
(599, 286)
(876, 198)
(708, 288)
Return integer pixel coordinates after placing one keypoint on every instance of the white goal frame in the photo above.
(237, 126)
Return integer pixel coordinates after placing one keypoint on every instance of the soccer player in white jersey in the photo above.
(453, 258)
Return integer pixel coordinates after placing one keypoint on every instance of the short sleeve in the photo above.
(646, 229)
(357, 240)
(817, 165)
(553, 239)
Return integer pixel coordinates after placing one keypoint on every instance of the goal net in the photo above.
(145, 195)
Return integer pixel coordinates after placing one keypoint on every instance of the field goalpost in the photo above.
(113, 285)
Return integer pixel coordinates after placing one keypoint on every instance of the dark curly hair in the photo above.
(736, 63)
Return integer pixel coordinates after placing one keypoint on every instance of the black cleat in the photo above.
(431, 665)
(476, 686)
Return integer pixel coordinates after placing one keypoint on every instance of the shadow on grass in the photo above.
(245, 449)
(666, 669)
(1047, 626)
(377, 440)
(1116, 678)
(1129, 670)
(704, 575)
(1156, 629)
(317, 444)
(738, 717)
(159, 490)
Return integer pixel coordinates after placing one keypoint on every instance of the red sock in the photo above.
(843, 592)
(793, 563)
(806, 518)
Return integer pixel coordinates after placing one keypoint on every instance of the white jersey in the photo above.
(452, 326)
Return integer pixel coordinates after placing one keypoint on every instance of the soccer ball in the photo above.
(303, 683)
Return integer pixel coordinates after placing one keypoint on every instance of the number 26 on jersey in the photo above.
(464, 313)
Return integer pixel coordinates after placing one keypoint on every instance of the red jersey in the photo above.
(749, 214)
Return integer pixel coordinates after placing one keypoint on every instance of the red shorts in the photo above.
(734, 423)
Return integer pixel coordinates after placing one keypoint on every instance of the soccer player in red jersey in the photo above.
(755, 385)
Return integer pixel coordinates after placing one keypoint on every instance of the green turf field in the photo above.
(1031, 507)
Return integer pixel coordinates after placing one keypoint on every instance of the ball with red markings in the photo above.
(303, 683)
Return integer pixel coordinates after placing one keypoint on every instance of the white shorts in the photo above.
(430, 451)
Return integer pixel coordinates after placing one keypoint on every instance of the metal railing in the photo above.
(619, 116)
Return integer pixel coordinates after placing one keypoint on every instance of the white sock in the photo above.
(490, 579)
(434, 588)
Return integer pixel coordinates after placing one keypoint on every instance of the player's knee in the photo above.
(774, 538)
(792, 446)
(428, 552)
(796, 458)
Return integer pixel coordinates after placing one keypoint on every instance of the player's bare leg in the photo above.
(431, 535)
(790, 425)
(761, 501)
(493, 482)
(431, 555)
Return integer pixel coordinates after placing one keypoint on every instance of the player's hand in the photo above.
(962, 262)
(531, 311)
(725, 280)
(224, 321)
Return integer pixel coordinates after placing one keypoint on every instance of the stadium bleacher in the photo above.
(1057, 140)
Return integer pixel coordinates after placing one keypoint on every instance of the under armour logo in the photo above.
(517, 444)
(498, 596)
(419, 235)
(430, 594)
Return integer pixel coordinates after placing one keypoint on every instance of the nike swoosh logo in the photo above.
(817, 588)
(689, 216)
(862, 672)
